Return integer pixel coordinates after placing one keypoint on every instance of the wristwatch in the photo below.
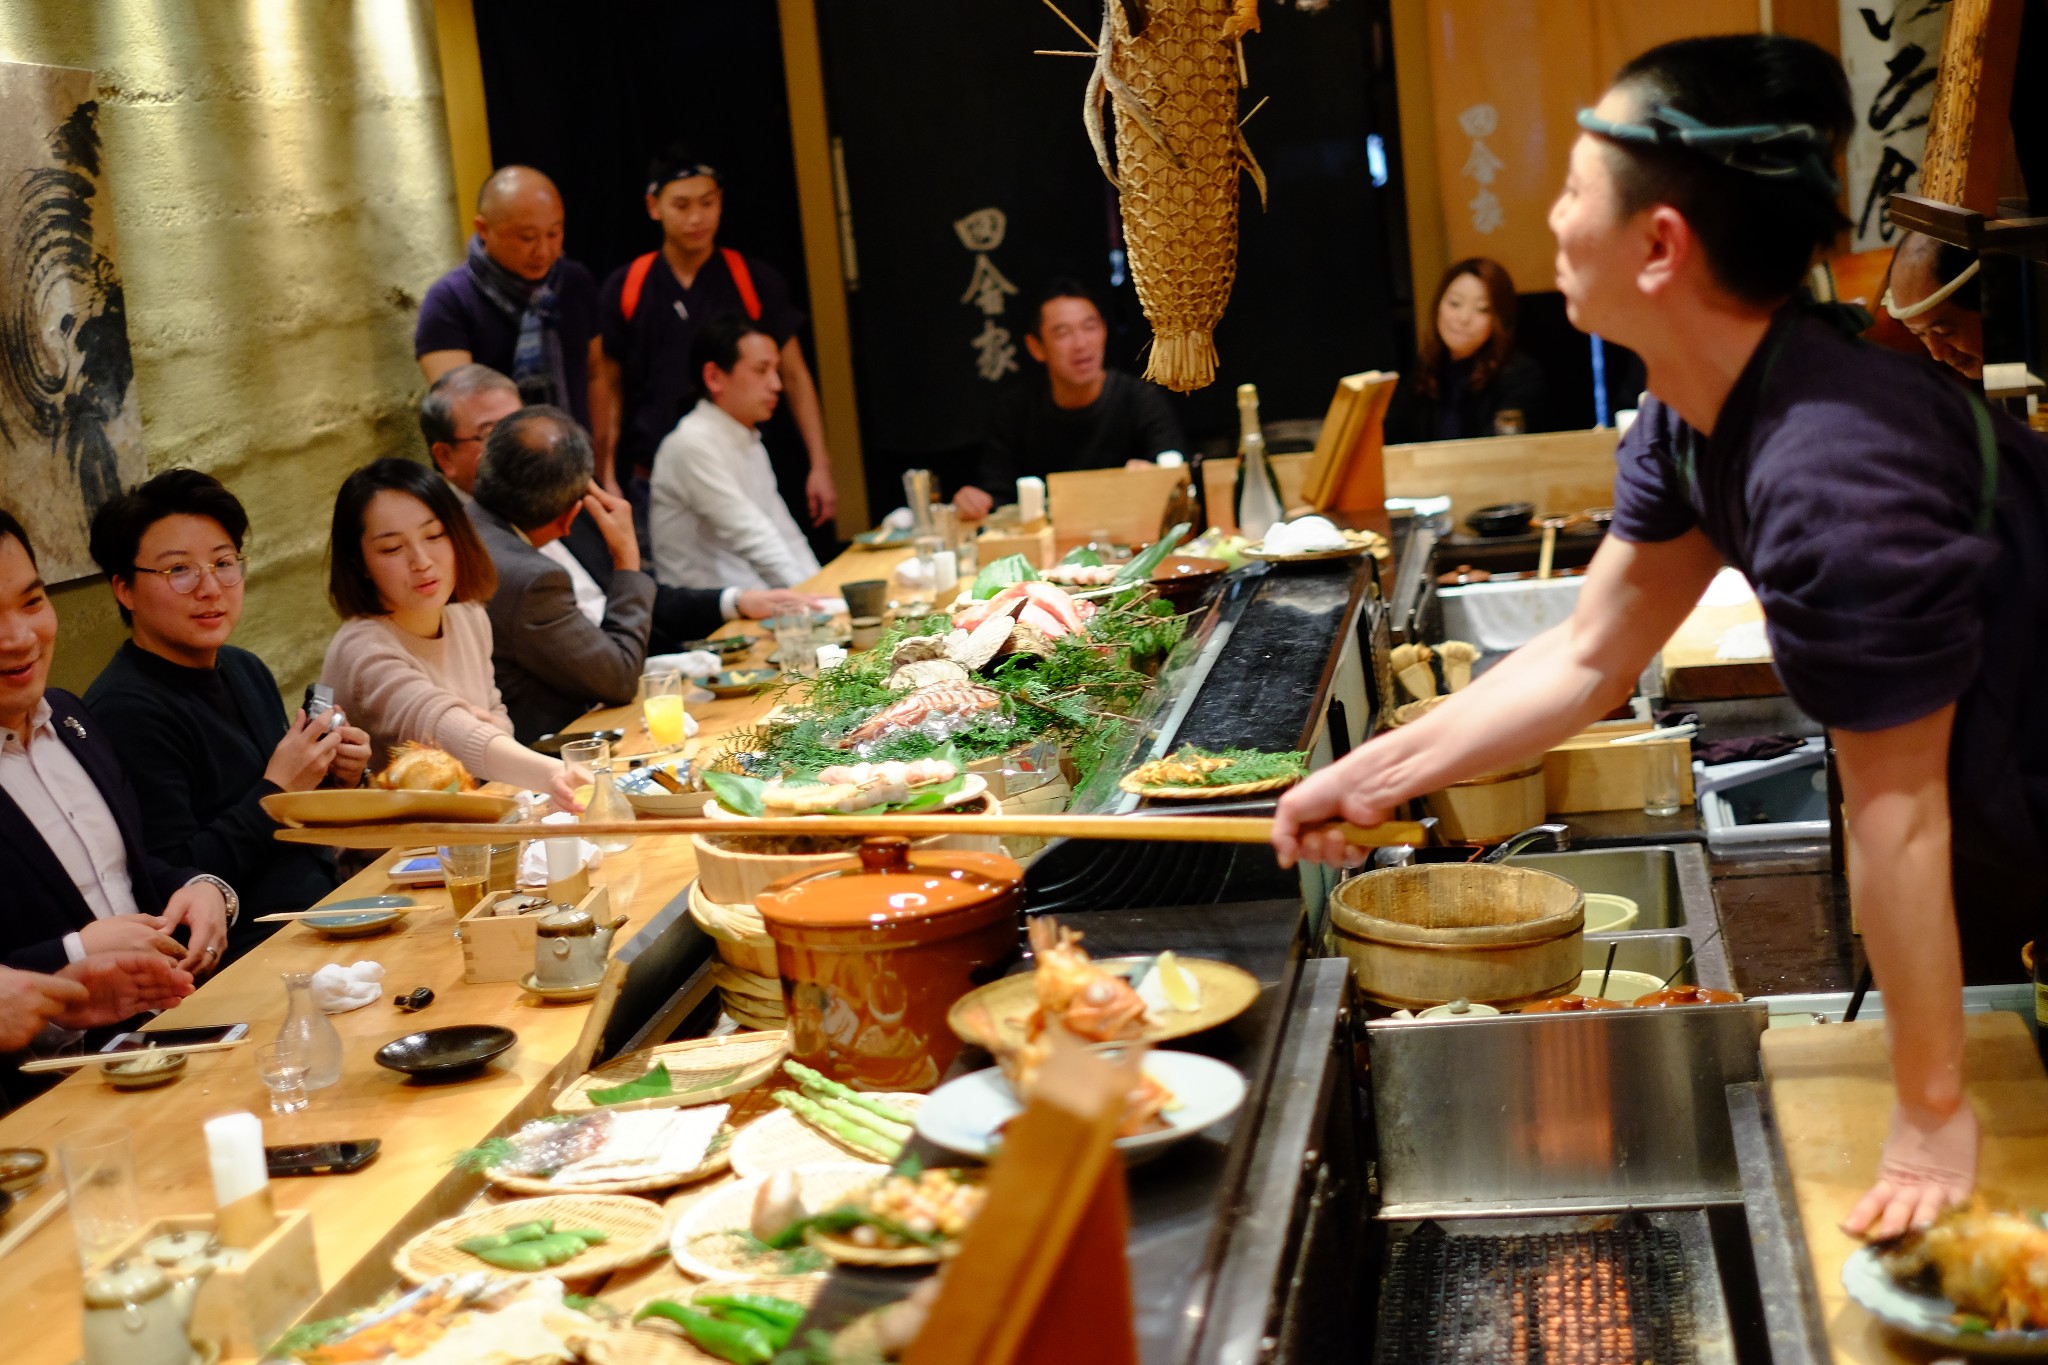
(227, 893)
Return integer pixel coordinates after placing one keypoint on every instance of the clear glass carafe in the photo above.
(593, 758)
(307, 1030)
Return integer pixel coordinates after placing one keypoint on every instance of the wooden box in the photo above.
(1491, 806)
(1587, 773)
(247, 1308)
(500, 948)
(1033, 542)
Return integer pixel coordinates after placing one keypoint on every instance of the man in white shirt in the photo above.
(716, 516)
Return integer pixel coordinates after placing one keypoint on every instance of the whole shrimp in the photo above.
(1073, 989)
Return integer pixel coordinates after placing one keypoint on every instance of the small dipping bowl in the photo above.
(145, 1070)
(1607, 913)
(21, 1168)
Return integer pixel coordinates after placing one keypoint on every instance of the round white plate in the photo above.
(699, 1242)
(964, 1115)
(1925, 1316)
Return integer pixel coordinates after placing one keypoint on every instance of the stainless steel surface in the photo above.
(2018, 997)
(1658, 955)
(1559, 1112)
(1670, 888)
(1777, 1246)
(1393, 855)
(1558, 837)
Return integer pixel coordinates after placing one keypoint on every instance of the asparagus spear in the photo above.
(854, 1135)
(824, 1085)
(898, 1133)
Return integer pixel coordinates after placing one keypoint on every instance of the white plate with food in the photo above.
(1961, 1284)
(966, 1115)
(973, 786)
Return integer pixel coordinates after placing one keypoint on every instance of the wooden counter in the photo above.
(1831, 1096)
(358, 1219)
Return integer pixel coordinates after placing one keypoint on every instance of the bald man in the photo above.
(1933, 291)
(516, 304)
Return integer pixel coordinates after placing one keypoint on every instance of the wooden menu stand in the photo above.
(1043, 1276)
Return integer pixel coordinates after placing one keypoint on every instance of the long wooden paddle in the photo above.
(1200, 829)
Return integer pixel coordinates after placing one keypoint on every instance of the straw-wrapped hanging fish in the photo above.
(1171, 71)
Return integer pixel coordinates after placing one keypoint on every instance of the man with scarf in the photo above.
(516, 304)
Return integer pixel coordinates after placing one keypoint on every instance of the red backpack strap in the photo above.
(636, 280)
(743, 280)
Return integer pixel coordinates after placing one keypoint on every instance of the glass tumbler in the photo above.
(282, 1067)
(661, 708)
(1664, 765)
(99, 1174)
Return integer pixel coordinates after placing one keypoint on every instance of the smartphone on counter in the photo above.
(322, 1158)
(416, 868)
(177, 1037)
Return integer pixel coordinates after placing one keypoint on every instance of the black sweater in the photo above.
(194, 743)
(1413, 416)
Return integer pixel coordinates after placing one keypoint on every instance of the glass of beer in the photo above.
(466, 871)
(661, 707)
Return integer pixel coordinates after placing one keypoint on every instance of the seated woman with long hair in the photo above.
(413, 659)
(1468, 376)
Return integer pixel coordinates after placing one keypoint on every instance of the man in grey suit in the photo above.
(552, 662)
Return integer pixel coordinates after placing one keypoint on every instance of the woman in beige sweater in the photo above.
(413, 659)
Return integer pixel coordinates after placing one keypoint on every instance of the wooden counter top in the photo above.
(1831, 1097)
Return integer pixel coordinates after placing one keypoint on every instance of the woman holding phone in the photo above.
(1895, 531)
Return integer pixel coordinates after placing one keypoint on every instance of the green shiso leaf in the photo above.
(737, 793)
(653, 1086)
(1000, 574)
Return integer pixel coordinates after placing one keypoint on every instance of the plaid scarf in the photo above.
(537, 358)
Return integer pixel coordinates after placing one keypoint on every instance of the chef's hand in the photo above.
(1338, 792)
(973, 504)
(1929, 1162)
(120, 985)
(130, 933)
(351, 756)
(202, 909)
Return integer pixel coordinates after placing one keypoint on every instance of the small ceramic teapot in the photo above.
(135, 1314)
(569, 949)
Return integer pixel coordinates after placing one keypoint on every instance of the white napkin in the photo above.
(533, 860)
(902, 519)
(697, 663)
(338, 989)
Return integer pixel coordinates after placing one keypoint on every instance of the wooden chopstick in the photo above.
(102, 1058)
(288, 916)
(27, 1227)
(1168, 828)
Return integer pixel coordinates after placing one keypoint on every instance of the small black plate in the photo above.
(437, 1052)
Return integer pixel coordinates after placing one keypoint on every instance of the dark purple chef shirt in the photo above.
(1847, 482)
(455, 316)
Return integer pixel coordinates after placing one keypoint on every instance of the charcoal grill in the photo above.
(1628, 1289)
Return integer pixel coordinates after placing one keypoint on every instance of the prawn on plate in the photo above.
(1078, 993)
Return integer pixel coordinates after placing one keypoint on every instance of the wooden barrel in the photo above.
(1435, 932)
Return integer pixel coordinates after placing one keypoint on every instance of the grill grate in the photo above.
(1615, 1295)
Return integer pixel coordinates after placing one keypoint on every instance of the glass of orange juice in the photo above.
(661, 707)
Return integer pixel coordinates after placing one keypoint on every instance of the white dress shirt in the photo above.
(61, 800)
(716, 516)
(589, 597)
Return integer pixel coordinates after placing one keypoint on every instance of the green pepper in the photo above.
(512, 1236)
(529, 1257)
(777, 1335)
(781, 1312)
(559, 1247)
(742, 1345)
(591, 1236)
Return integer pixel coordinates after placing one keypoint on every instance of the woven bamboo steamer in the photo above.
(1180, 220)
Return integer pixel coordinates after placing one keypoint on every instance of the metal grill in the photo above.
(1614, 1294)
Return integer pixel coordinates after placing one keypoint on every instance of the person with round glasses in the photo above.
(198, 723)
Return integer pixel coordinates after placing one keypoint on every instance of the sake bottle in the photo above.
(1258, 493)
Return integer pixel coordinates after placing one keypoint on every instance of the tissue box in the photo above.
(245, 1309)
(500, 948)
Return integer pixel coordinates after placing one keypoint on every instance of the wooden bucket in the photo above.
(1490, 807)
(1437, 932)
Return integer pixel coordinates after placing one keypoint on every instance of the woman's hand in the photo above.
(562, 792)
(119, 985)
(129, 934)
(1344, 791)
(351, 756)
(201, 908)
(1929, 1163)
(302, 758)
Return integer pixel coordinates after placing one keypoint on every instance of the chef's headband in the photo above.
(1771, 151)
(668, 175)
(1932, 301)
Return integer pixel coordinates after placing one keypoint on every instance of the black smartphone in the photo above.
(322, 1158)
(177, 1037)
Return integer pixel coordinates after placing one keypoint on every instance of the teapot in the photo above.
(135, 1314)
(569, 949)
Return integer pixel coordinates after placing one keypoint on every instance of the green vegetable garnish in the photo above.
(737, 792)
(736, 1342)
(1083, 556)
(1140, 566)
(1000, 574)
(656, 1084)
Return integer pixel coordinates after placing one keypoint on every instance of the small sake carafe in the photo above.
(308, 1030)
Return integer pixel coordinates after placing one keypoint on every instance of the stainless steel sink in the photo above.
(1670, 882)
(1657, 955)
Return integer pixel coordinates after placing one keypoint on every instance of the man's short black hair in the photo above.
(119, 525)
(678, 161)
(1760, 234)
(10, 527)
(437, 409)
(1060, 287)
(718, 343)
(536, 465)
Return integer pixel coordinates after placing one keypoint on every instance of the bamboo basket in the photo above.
(634, 1225)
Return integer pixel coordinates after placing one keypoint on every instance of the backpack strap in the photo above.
(636, 280)
(743, 280)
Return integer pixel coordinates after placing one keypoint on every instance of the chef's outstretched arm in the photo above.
(1636, 595)
(1895, 803)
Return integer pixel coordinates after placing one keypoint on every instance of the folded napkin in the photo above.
(338, 989)
(697, 663)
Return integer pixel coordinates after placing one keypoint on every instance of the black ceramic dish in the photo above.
(439, 1053)
(1502, 519)
(724, 644)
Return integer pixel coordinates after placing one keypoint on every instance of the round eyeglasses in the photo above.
(184, 578)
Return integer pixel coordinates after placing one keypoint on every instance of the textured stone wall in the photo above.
(282, 197)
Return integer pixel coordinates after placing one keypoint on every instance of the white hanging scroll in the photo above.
(1891, 50)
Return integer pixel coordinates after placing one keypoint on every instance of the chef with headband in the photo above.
(1931, 287)
(1894, 528)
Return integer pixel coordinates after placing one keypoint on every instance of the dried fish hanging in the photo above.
(1171, 70)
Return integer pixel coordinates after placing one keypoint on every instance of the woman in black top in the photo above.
(1469, 380)
(198, 723)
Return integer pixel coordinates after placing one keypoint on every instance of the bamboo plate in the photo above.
(715, 1160)
(1227, 991)
(750, 1058)
(657, 1341)
(780, 1141)
(711, 1240)
(365, 806)
(1169, 793)
(635, 1226)
(853, 1253)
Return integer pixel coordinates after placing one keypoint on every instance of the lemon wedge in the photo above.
(1177, 983)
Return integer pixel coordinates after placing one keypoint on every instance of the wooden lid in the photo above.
(890, 885)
